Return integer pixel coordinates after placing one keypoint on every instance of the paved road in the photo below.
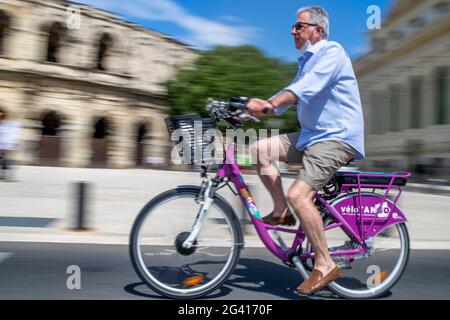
(35, 212)
(38, 271)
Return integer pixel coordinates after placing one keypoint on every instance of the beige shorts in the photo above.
(318, 162)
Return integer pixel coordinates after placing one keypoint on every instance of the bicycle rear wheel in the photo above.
(373, 274)
(164, 264)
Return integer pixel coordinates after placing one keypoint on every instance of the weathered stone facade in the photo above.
(405, 89)
(91, 96)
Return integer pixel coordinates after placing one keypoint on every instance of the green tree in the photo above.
(230, 72)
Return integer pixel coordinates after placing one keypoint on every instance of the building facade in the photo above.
(404, 84)
(85, 85)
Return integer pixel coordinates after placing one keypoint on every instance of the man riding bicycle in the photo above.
(325, 92)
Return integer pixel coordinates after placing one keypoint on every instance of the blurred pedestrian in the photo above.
(9, 139)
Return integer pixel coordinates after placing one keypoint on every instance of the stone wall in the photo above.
(402, 128)
(126, 93)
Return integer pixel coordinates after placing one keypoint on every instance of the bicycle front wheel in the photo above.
(164, 264)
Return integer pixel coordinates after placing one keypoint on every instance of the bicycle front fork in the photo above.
(205, 198)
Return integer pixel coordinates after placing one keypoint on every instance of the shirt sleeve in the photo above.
(280, 110)
(320, 75)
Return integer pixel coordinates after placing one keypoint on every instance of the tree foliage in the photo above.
(226, 72)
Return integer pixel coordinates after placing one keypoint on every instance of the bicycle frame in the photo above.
(352, 223)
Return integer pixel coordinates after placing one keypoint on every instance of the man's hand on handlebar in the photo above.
(235, 109)
(259, 107)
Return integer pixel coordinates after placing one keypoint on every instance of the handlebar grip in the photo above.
(238, 105)
(249, 116)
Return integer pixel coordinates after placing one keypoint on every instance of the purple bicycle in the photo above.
(186, 242)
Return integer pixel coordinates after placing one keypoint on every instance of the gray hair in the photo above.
(319, 16)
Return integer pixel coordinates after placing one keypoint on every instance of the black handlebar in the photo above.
(238, 103)
(233, 111)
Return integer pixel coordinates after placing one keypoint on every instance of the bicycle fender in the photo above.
(373, 207)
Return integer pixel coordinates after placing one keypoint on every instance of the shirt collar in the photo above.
(315, 48)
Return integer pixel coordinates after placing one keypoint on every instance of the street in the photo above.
(39, 271)
(38, 243)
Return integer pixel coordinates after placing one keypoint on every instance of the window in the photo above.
(416, 102)
(142, 132)
(441, 87)
(4, 26)
(432, 13)
(396, 34)
(442, 7)
(56, 34)
(50, 124)
(101, 129)
(416, 22)
(104, 49)
(377, 113)
(379, 45)
(394, 106)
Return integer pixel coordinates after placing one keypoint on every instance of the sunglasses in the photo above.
(300, 25)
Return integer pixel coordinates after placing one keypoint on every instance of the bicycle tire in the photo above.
(376, 292)
(379, 291)
(235, 227)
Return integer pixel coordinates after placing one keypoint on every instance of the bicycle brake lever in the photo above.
(246, 115)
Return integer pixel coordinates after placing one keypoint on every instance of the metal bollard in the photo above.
(80, 206)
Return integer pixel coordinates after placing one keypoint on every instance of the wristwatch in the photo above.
(267, 110)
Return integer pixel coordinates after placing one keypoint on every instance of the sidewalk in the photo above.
(40, 207)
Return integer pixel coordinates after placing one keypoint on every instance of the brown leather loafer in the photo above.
(287, 220)
(317, 281)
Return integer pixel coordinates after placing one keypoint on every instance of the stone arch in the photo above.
(102, 128)
(105, 46)
(3, 112)
(56, 33)
(101, 131)
(441, 84)
(157, 145)
(51, 123)
(50, 145)
(5, 25)
(142, 130)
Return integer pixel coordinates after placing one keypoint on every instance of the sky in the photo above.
(263, 23)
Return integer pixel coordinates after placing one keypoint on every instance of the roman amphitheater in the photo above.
(85, 85)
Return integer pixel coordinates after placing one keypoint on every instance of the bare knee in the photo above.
(297, 199)
(259, 152)
(300, 196)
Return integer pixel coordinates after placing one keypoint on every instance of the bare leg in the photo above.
(301, 197)
(270, 176)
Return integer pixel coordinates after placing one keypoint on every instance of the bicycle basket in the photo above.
(187, 132)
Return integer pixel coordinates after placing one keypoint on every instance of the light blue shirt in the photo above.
(329, 105)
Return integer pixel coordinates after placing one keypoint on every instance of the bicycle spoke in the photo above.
(178, 270)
